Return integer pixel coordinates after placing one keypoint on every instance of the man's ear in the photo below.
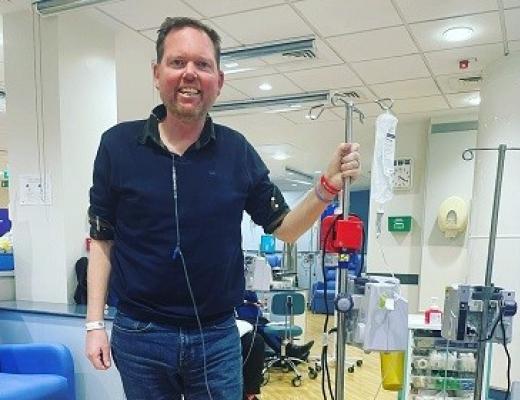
(155, 71)
(220, 80)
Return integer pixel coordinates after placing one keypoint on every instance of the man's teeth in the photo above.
(189, 91)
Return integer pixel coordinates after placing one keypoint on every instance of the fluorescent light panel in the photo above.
(301, 174)
(320, 96)
(48, 7)
(303, 46)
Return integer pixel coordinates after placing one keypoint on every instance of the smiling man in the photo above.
(166, 207)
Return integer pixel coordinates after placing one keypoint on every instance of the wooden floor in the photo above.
(363, 384)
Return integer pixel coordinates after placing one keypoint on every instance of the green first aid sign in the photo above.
(400, 224)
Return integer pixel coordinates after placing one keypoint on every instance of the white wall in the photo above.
(499, 123)
(136, 94)
(444, 260)
(76, 93)
(87, 108)
(402, 251)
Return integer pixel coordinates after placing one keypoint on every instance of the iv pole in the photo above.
(350, 109)
(467, 155)
(341, 341)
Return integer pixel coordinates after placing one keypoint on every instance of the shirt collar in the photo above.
(150, 132)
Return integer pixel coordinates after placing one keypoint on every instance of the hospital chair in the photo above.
(36, 371)
(287, 305)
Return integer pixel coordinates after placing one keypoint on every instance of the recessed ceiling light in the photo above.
(457, 34)
(474, 99)
(294, 184)
(265, 86)
(231, 65)
(317, 172)
(280, 156)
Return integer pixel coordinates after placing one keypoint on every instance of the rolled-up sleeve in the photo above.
(101, 212)
(265, 202)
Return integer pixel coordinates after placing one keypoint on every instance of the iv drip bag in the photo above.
(381, 186)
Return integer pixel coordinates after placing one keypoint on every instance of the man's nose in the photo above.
(190, 72)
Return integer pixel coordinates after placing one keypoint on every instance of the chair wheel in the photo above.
(318, 368)
(285, 368)
(265, 378)
(359, 363)
(296, 381)
(350, 370)
(312, 373)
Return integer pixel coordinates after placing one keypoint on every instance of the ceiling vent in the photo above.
(466, 84)
(352, 94)
(301, 47)
(308, 53)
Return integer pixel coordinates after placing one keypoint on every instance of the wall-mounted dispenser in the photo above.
(453, 216)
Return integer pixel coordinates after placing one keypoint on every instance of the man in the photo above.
(166, 208)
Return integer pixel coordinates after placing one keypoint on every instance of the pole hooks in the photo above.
(314, 117)
(339, 99)
(469, 154)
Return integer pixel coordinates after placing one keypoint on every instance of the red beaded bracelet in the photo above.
(328, 186)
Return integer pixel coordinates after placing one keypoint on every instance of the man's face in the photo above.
(187, 77)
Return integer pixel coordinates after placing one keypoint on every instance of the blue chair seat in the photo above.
(33, 387)
(279, 330)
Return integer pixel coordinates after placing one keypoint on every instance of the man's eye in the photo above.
(177, 63)
(203, 65)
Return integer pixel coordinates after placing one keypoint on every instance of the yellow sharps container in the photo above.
(392, 370)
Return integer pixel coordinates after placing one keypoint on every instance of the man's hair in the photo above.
(177, 23)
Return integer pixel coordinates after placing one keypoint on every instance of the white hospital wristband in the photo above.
(94, 325)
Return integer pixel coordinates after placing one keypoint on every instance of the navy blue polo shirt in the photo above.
(132, 203)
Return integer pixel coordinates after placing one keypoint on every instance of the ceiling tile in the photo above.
(223, 7)
(229, 93)
(336, 17)
(404, 89)
(391, 69)
(273, 23)
(333, 77)
(421, 104)
(281, 85)
(512, 23)
(246, 68)
(424, 10)
(463, 100)
(324, 57)
(380, 43)
(14, 5)
(511, 3)
(514, 45)
(140, 16)
(302, 116)
(226, 40)
(447, 61)
(457, 84)
(486, 29)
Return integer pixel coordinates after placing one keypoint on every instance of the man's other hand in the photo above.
(97, 349)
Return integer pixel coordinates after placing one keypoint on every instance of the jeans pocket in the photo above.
(125, 323)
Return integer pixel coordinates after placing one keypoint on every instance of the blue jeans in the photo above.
(162, 362)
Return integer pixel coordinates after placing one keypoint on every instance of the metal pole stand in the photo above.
(468, 154)
(341, 341)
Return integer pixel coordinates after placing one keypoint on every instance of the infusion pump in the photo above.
(463, 308)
